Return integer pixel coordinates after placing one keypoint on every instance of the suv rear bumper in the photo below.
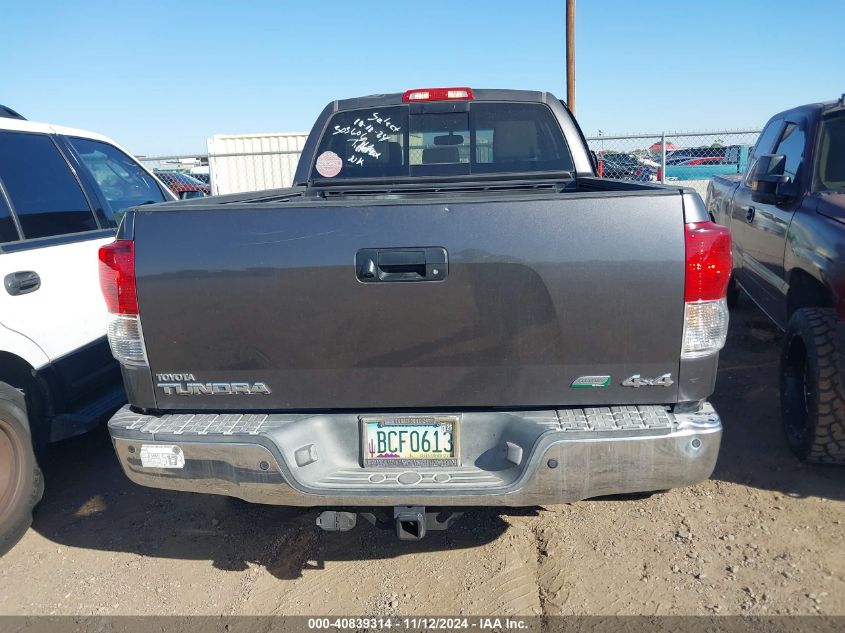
(515, 458)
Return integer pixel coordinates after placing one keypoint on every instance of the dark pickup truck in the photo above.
(787, 217)
(448, 308)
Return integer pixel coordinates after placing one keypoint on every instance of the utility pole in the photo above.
(570, 55)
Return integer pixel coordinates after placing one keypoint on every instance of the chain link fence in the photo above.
(688, 158)
(237, 163)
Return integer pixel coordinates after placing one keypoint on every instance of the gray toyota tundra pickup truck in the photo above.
(447, 309)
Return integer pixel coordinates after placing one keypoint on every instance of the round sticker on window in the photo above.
(328, 164)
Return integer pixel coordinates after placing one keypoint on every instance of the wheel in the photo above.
(21, 483)
(733, 293)
(811, 390)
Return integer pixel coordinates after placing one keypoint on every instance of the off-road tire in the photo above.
(21, 482)
(811, 391)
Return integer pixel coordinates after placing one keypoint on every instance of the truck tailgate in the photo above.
(537, 294)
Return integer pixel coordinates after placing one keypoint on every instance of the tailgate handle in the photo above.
(401, 264)
(391, 262)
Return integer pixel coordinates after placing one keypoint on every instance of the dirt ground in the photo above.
(763, 536)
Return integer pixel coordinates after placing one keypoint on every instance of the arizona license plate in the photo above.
(409, 441)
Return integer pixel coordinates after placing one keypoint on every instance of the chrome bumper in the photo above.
(516, 458)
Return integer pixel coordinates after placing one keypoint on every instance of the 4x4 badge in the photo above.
(637, 381)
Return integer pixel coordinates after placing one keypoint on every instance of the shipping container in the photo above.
(253, 162)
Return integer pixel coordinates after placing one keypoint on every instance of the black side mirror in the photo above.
(769, 184)
(186, 195)
(595, 160)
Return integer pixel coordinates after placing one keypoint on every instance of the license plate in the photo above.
(409, 441)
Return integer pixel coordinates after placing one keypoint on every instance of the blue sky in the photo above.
(160, 77)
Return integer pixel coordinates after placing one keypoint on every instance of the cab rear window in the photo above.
(480, 138)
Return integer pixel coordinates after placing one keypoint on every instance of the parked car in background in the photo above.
(682, 154)
(732, 160)
(786, 213)
(63, 192)
(625, 166)
(413, 331)
(678, 160)
(704, 160)
(184, 185)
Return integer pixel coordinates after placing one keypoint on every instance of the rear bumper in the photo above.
(516, 458)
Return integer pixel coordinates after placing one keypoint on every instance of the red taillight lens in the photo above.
(708, 254)
(438, 94)
(117, 277)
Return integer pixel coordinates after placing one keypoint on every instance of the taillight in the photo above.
(708, 270)
(438, 94)
(117, 281)
(708, 255)
(117, 277)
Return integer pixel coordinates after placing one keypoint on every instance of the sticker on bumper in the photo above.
(162, 456)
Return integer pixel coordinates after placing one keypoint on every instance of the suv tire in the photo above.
(811, 390)
(21, 482)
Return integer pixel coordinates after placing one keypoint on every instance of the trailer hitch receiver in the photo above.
(410, 522)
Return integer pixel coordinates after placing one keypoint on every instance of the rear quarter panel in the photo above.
(720, 191)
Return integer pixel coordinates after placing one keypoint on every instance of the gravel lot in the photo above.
(764, 536)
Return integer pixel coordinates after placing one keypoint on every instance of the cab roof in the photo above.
(478, 94)
(22, 125)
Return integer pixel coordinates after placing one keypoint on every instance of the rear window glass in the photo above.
(121, 180)
(488, 137)
(44, 192)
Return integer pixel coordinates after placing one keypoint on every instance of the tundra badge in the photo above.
(187, 385)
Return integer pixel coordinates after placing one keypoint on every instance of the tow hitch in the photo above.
(411, 523)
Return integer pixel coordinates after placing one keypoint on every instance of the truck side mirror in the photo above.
(769, 185)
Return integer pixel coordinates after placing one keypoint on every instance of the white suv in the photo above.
(62, 194)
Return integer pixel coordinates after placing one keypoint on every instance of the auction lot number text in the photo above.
(420, 623)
